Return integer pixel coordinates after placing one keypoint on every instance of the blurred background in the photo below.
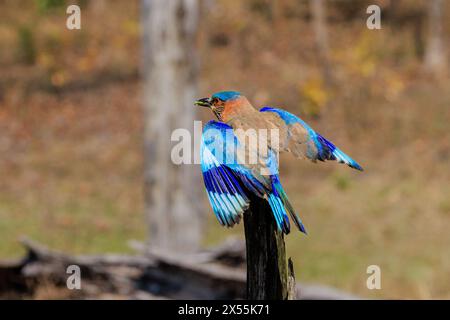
(72, 129)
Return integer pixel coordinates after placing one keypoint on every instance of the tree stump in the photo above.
(267, 272)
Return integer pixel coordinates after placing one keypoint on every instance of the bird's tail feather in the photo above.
(281, 194)
(279, 213)
(279, 191)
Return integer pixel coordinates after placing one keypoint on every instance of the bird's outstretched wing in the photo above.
(303, 141)
(226, 195)
(227, 179)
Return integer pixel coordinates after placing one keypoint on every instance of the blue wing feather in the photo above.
(326, 150)
(226, 196)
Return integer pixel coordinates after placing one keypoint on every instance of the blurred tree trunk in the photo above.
(435, 55)
(172, 191)
(321, 34)
(417, 27)
(278, 21)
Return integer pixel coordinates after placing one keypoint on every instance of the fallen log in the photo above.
(144, 276)
(153, 275)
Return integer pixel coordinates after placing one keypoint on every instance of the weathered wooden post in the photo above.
(267, 270)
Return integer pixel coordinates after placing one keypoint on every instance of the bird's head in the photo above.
(221, 103)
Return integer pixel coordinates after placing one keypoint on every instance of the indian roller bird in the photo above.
(229, 179)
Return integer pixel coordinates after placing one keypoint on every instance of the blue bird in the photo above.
(229, 175)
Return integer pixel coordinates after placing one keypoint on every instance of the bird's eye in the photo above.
(214, 101)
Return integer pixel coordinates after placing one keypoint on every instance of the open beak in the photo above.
(204, 102)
